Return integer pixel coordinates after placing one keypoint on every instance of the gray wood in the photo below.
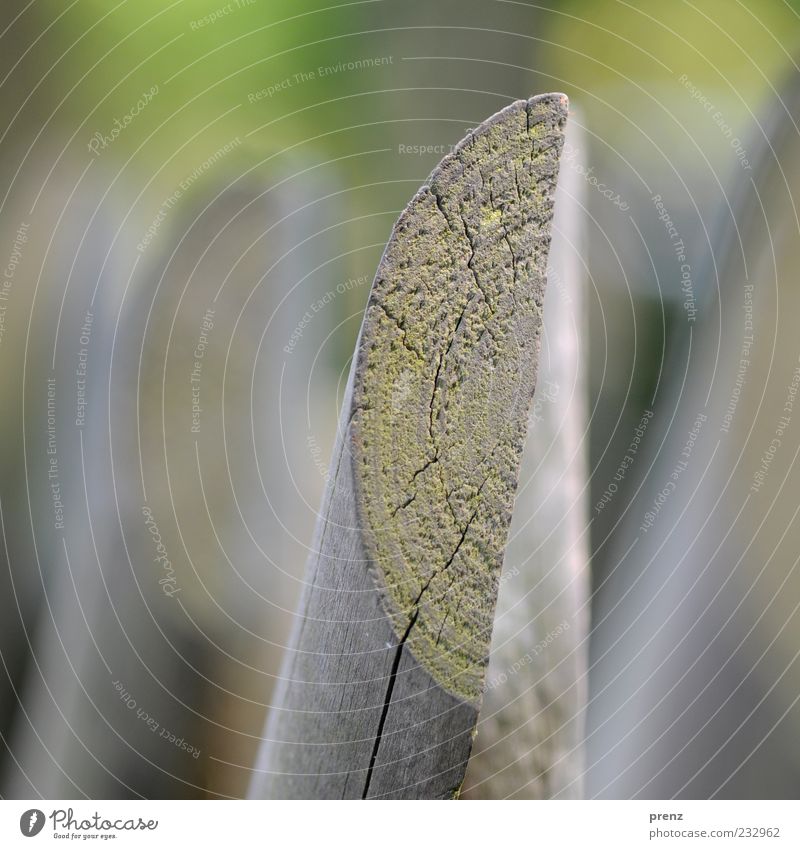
(383, 677)
(529, 741)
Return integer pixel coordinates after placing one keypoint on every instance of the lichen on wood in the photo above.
(381, 683)
(444, 380)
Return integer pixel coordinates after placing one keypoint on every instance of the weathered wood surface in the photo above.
(529, 741)
(382, 680)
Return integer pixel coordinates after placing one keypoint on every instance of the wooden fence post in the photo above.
(382, 681)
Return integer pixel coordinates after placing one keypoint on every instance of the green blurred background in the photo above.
(295, 130)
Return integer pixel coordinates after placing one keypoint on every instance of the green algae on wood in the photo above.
(529, 743)
(380, 686)
(454, 319)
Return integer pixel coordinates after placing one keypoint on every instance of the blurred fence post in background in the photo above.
(53, 572)
(695, 652)
(161, 618)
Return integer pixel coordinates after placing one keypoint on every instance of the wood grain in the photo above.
(529, 742)
(382, 681)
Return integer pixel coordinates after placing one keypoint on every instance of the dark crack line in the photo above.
(464, 233)
(387, 701)
(433, 401)
(457, 327)
(507, 240)
(486, 299)
(448, 494)
(427, 465)
(471, 263)
(441, 627)
(432, 412)
(440, 206)
(432, 407)
(401, 327)
(447, 612)
(417, 473)
(442, 357)
(401, 645)
(530, 135)
(403, 505)
(516, 183)
(446, 566)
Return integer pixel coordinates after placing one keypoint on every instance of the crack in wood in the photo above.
(383, 678)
